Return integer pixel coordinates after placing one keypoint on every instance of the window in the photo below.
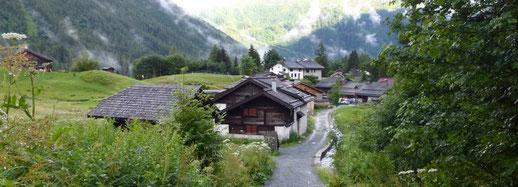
(250, 112)
(251, 129)
(291, 69)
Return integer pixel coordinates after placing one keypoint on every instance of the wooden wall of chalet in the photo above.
(240, 94)
(257, 116)
(308, 89)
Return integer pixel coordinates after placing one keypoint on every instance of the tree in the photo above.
(337, 64)
(310, 79)
(248, 65)
(225, 59)
(151, 66)
(175, 62)
(322, 58)
(335, 94)
(214, 53)
(255, 55)
(235, 67)
(454, 104)
(352, 62)
(196, 125)
(84, 63)
(271, 58)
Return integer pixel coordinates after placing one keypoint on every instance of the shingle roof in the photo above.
(303, 65)
(329, 82)
(286, 94)
(366, 89)
(140, 101)
(38, 55)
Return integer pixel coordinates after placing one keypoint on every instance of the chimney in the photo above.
(274, 86)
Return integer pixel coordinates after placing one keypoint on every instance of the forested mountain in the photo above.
(295, 28)
(113, 32)
(363, 34)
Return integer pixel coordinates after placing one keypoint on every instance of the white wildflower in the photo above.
(433, 170)
(406, 172)
(421, 170)
(13, 35)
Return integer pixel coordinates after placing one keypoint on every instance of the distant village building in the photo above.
(318, 95)
(327, 84)
(257, 105)
(41, 62)
(141, 101)
(108, 69)
(298, 69)
(366, 91)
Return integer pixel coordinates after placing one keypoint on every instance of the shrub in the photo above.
(194, 121)
(245, 165)
(93, 152)
(311, 126)
(84, 63)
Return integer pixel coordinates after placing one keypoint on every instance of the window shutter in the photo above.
(252, 112)
(245, 111)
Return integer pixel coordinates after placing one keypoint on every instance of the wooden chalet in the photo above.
(108, 69)
(327, 84)
(141, 101)
(256, 105)
(42, 62)
(365, 91)
(318, 95)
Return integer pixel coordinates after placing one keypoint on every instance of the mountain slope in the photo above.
(114, 32)
(292, 26)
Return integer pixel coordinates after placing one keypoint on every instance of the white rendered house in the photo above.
(298, 69)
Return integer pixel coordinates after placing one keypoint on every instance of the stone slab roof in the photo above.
(140, 101)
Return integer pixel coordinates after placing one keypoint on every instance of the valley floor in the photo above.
(295, 164)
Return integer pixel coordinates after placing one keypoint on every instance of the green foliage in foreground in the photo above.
(245, 165)
(453, 107)
(94, 152)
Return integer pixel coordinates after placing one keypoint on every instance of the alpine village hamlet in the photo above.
(259, 93)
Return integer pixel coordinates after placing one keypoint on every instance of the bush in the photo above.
(245, 165)
(84, 63)
(311, 126)
(93, 152)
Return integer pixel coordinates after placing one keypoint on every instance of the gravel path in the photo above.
(295, 164)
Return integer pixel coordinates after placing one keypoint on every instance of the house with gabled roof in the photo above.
(257, 105)
(327, 84)
(145, 102)
(298, 69)
(41, 62)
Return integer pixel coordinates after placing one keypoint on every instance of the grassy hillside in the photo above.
(72, 95)
(213, 81)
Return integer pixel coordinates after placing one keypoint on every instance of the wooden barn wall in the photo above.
(241, 93)
(268, 114)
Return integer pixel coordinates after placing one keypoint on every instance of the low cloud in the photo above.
(70, 30)
(105, 59)
(305, 25)
(371, 39)
(374, 16)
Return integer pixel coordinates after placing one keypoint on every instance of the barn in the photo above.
(141, 101)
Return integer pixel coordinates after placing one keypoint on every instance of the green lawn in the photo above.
(348, 114)
(213, 81)
(73, 95)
